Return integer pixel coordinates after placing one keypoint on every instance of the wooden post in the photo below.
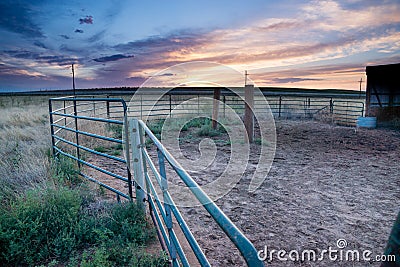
(224, 101)
(170, 105)
(217, 95)
(280, 106)
(248, 112)
(108, 107)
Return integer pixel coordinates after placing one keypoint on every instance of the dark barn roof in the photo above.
(387, 70)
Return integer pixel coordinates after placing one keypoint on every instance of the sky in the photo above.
(286, 43)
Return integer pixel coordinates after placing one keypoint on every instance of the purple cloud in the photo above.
(112, 58)
(86, 20)
(16, 17)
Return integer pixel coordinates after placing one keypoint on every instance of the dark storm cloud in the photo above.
(17, 17)
(79, 31)
(86, 20)
(66, 37)
(58, 60)
(24, 54)
(112, 58)
(179, 40)
(156, 52)
(38, 57)
(40, 44)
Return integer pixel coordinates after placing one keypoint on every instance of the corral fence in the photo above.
(341, 109)
(106, 145)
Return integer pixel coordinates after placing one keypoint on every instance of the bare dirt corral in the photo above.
(326, 183)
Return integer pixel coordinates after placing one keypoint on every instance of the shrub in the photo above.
(56, 223)
(100, 149)
(207, 130)
(39, 226)
(198, 122)
(156, 126)
(50, 224)
(64, 171)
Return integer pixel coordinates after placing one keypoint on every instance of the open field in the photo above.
(24, 147)
(49, 216)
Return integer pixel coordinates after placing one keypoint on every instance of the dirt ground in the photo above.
(326, 183)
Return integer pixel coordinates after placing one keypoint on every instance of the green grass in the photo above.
(207, 130)
(61, 223)
(115, 129)
(156, 126)
(198, 122)
(101, 149)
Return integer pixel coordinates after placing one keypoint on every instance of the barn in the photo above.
(383, 93)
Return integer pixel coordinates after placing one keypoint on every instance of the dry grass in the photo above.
(24, 148)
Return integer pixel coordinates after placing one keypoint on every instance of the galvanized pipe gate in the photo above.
(162, 208)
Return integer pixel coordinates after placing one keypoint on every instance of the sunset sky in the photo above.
(286, 43)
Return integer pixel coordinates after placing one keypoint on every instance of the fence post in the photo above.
(331, 106)
(224, 101)
(198, 104)
(65, 112)
(167, 208)
(248, 112)
(127, 155)
(280, 106)
(52, 128)
(170, 105)
(108, 107)
(94, 108)
(362, 109)
(76, 133)
(137, 163)
(217, 95)
(141, 107)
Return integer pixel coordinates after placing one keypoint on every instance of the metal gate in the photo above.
(71, 137)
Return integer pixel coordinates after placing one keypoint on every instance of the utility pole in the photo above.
(360, 81)
(73, 78)
(245, 77)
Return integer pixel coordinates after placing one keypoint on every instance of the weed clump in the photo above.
(62, 223)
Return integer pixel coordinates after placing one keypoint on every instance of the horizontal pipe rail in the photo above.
(89, 134)
(92, 165)
(245, 247)
(90, 150)
(88, 118)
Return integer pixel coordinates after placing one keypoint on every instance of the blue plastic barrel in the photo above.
(366, 122)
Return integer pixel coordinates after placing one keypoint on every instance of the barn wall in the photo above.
(383, 92)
